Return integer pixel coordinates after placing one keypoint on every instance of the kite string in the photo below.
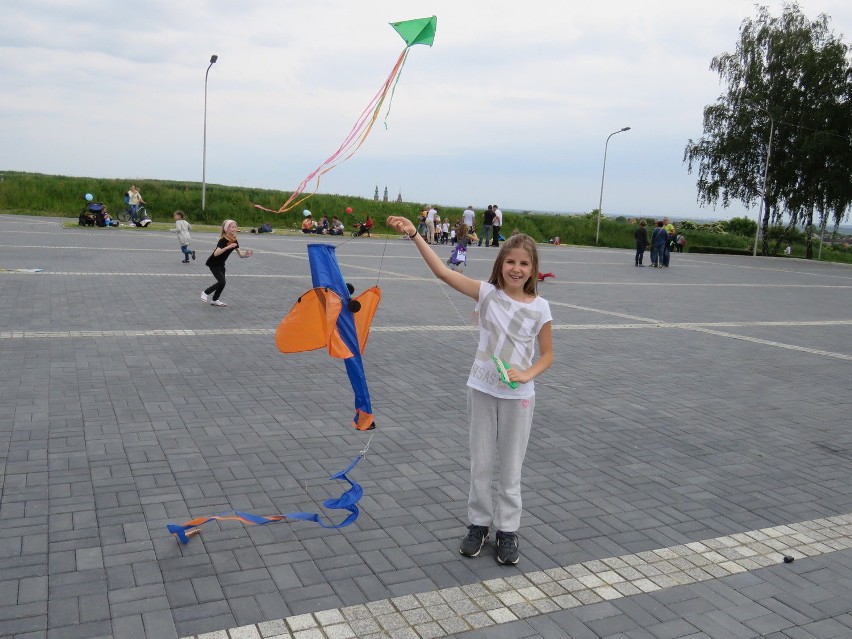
(443, 289)
(382, 258)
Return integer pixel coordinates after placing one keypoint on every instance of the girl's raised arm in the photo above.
(462, 283)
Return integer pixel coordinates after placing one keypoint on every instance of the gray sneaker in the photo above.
(476, 538)
(507, 548)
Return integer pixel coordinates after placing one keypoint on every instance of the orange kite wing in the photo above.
(369, 301)
(312, 324)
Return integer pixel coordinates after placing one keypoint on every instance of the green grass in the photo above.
(63, 196)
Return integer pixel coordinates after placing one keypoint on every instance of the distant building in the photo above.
(386, 197)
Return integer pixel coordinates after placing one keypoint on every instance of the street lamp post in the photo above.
(600, 201)
(213, 59)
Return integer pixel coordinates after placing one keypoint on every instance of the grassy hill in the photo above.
(64, 196)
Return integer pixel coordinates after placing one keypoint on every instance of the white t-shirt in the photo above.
(507, 329)
(467, 216)
(430, 216)
(498, 217)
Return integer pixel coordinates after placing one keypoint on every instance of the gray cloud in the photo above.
(512, 104)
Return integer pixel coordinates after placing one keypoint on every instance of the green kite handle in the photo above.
(503, 371)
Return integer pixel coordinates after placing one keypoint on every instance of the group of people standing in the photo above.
(492, 221)
(664, 239)
(437, 231)
(434, 229)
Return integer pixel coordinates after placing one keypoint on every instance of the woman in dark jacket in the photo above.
(641, 236)
(659, 238)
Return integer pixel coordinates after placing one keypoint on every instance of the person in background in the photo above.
(226, 245)
(322, 227)
(659, 239)
(670, 241)
(487, 225)
(134, 201)
(336, 226)
(468, 216)
(498, 222)
(421, 225)
(182, 228)
(430, 225)
(641, 236)
(308, 224)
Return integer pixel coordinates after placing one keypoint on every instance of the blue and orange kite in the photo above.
(323, 317)
(327, 317)
(419, 31)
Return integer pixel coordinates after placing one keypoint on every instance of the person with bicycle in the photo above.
(134, 201)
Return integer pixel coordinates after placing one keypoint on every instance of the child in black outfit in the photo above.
(216, 262)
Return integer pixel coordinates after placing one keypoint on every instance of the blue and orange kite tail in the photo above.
(327, 317)
(419, 31)
(347, 501)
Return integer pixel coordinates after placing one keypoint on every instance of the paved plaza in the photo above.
(693, 431)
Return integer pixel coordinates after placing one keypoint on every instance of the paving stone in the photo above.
(139, 427)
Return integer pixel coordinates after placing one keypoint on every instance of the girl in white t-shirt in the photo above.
(501, 392)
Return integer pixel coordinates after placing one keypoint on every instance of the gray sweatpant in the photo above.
(499, 432)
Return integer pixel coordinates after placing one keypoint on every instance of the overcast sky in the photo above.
(512, 105)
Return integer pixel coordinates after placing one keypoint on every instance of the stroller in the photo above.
(362, 228)
(89, 214)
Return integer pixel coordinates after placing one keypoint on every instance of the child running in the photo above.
(216, 262)
(458, 258)
(182, 228)
(512, 317)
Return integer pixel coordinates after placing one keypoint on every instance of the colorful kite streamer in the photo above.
(419, 31)
(347, 501)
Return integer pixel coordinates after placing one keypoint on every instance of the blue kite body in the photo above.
(327, 317)
(325, 272)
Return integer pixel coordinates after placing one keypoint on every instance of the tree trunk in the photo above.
(786, 236)
(809, 234)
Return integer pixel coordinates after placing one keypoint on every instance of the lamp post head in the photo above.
(627, 128)
(213, 59)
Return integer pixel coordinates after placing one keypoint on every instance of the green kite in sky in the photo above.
(418, 31)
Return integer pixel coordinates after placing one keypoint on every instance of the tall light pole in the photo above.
(213, 59)
(600, 201)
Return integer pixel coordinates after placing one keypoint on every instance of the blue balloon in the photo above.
(89, 197)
